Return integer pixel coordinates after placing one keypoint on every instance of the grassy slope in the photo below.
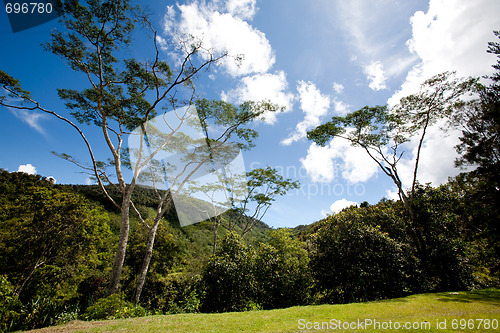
(418, 308)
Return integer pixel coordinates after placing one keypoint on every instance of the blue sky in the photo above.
(318, 58)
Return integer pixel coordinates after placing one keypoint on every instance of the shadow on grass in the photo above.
(490, 296)
(394, 300)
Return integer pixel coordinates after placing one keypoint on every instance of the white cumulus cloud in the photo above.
(318, 163)
(27, 168)
(259, 87)
(340, 107)
(314, 104)
(244, 9)
(355, 164)
(451, 36)
(324, 164)
(376, 76)
(437, 157)
(338, 205)
(338, 87)
(89, 181)
(222, 28)
(392, 194)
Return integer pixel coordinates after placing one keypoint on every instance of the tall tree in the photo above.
(480, 123)
(190, 153)
(124, 94)
(385, 132)
(51, 237)
(480, 147)
(248, 198)
(264, 185)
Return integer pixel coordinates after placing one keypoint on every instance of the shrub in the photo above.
(188, 304)
(353, 261)
(68, 314)
(36, 313)
(175, 293)
(282, 271)
(239, 278)
(112, 307)
(40, 312)
(444, 262)
(10, 306)
(228, 283)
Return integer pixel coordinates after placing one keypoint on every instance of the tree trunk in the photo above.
(145, 262)
(414, 230)
(162, 208)
(122, 244)
(17, 291)
(216, 230)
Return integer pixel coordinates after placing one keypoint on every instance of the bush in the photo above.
(41, 312)
(239, 278)
(228, 283)
(36, 313)
(112, 307)
(443, 253)
(69, 313)
(190, 303)
(353, 261)
(10, 306)
(175, 293)
(282, 272)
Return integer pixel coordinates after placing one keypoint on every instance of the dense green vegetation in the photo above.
(475, 311)
(82, 252)
(57, 243)
(120, 95)
(372, 252)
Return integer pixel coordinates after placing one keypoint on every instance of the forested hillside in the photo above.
(57, 243)
(133, 84)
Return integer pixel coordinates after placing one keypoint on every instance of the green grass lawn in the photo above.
(473, 311)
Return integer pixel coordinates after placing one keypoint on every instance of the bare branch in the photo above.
(87, 143)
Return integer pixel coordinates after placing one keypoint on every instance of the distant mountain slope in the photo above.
(145, 198)
(178, 256)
